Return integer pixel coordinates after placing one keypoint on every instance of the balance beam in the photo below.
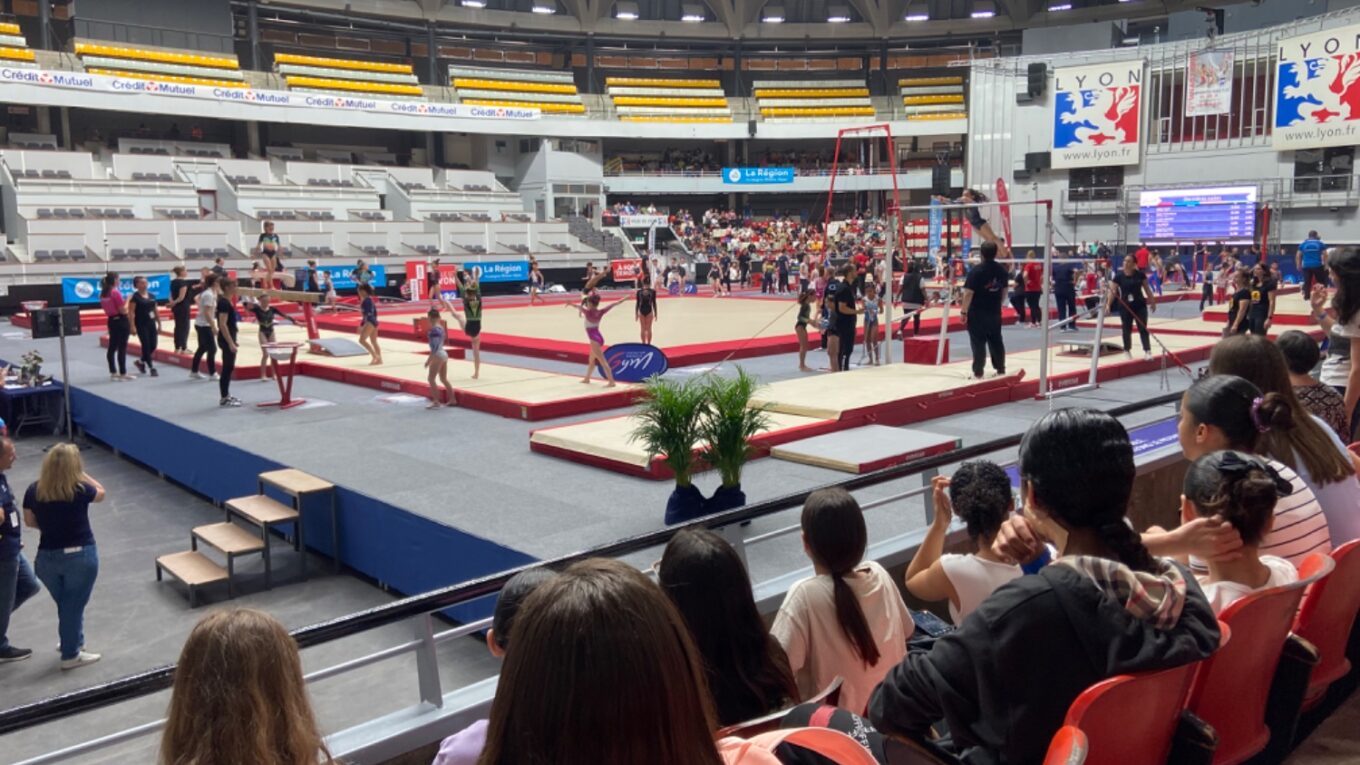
(307, 299)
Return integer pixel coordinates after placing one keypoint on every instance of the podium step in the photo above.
(193, 569)
(262, 510)
(229, 538)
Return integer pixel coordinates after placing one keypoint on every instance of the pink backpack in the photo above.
(759, 750)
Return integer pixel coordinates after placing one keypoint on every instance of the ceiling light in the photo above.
(983, 9)
(838, 14)
(918, 17)
(1060, 7)
(474, 3)
(692, 12)
(544, 8)
(773, 14)
(627, 11)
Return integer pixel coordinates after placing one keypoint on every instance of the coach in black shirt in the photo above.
(982, 293)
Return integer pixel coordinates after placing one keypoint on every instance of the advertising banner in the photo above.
(644, 221)
(343, 280)
(1208, 83)
(635, 362)
(85, 289)
(500, 270)
(626, 270)
(132, 86)
(415, 277)
(1317, 90)
(742, 176)
(1097, 114)
(935, 232)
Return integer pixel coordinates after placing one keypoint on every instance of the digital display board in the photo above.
(1189, 215)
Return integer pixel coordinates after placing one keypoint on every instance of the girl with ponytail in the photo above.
(1105, 607)
(1243, 490)
(848, 620)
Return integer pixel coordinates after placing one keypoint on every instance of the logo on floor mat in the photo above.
(635, 362)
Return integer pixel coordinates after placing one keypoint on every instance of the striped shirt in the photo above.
(1300, 527)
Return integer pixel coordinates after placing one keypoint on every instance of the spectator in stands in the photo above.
(980, 494)
(181, 295)
(227, 320)
(58, 506)
(17, 582)
(1340, 318)
(465, 746)
(848, 619)
(146, 319)
(205, 324)
(1301, 356)
(239, 697)
(1310, 447)
(747, 670)
(1242, 489)
(1003, 681)
(120, 327)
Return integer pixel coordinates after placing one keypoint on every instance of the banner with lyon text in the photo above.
(1097, 114)
(1317, 90)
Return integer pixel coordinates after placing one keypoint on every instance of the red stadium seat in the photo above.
(1069, 747)
(1119, 722)
(1326, 616)
(1232, 686)
(828, 696)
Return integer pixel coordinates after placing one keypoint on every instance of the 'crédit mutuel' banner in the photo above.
(1097, 114)
(1317, 90)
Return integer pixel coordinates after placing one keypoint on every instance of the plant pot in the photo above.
(685, 503)
(725, 498)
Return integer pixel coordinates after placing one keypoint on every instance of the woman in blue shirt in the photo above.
(58, 506)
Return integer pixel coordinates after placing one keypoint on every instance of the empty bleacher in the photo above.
(549, 92)
(160, 64)
(14, 50)
(933, 98)
(810, 100)
(348, 77)
(650, 99)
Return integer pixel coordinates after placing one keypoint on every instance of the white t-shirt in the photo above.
(817, 647)
(1223, 594)
(1340, 500)
(974, 579)
(1336, 368)
(1300, 527)
(207, 308)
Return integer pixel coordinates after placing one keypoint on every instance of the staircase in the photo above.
(581, 228)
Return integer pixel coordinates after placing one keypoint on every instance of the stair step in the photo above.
(193, 568)
(229, 538)
(262, 510)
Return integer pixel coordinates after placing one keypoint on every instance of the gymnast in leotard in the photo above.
(646, 312)
(368, 324)
(974, 215)
(470, 288)
(590, 310)
(438, 362)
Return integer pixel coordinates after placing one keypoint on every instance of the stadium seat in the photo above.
(1119, 723)
(1232, 686)
(348, 77)
(1327, 616)
(1069, 747)
(933, 98)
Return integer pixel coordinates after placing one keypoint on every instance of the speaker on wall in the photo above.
(751, 128)
(1038, 160)
(1038, 79)
(940, 180)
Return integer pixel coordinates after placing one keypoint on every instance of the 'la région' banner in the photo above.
(1097, 114)
(1317, 90)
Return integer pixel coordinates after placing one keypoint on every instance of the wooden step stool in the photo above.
(194, 569)
(298, 486)
(232, 541)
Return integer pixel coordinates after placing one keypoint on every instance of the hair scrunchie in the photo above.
(1256, 415)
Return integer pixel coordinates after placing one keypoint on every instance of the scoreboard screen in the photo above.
(1188, 215)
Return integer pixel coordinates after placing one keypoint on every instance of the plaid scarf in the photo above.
(1154, 598)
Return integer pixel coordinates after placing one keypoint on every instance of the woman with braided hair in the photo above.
(1105, 607)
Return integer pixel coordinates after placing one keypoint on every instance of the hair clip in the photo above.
(1256, 415)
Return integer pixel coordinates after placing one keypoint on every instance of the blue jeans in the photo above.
(16, 586)
(69, 578)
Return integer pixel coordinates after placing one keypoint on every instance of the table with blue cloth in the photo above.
(24, 406)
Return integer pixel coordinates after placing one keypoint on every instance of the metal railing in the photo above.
(420, 609)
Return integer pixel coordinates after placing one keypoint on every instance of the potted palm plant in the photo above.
(671, 417)
(727, 430)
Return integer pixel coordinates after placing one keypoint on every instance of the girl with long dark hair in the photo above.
(115, 310)
(227, 321)
(1340, 318)
(747, 670)
(1002, 682)
(848, 619)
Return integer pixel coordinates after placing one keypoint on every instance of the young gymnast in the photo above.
(368, 324)
(872, 305)
(975, 219)
(438, 362)
(265, 315)
(590, 310)
(470, 288)
(646, 311)
(535, 283)
(805, 299)
(432, 289)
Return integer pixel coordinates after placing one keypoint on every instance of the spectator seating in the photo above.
(349, 77)
(828, 696)
(804, 100)
(1121, 726)
(933, 98)
(14, 50)
(217, 70)
(647, 99)
(1069, 747)
(550, 92)
(1232, 686)
(1326, 616)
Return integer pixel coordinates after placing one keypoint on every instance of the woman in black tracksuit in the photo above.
(227, 319)
(913, 298)
(1003, 681)
(181, 300)
(146, 319)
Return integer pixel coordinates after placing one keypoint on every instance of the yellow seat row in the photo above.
(514, 86)
(16, 54)
(164, 57)
(342, 63)
(812, 93)
(9, 28)
(169, 78)
(917, 100)
(547, 106)
(918, 82)
(939, 116)
(357, 86)
(674, 102)
(653, 82)
(839, 111)
(642, 118)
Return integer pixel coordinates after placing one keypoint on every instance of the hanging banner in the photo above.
(626, 270)
(85, 289)
(1003, 200)
(1097, 114)
(1208, 83)
(1317, 90)
(416, 271)
(935, 232)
